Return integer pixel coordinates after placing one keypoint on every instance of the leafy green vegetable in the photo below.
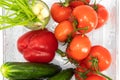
(18, 12)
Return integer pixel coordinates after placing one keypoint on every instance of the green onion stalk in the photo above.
(33, 14)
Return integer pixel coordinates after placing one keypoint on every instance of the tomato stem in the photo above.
(108, 78)
(95, 7)
(70, 35)
(75, 23)
(62, 54)
(69, 39)
(73, 61)
(84, 28)
(66, 62)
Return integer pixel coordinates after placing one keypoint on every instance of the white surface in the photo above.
(119, 43)
(1, 46)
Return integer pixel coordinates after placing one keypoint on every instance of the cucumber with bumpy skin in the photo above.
(26, 70)
(63, 75)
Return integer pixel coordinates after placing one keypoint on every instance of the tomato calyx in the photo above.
(75, 23)
(82, 75)
(65, 4)
(95, 66)
(75, 30)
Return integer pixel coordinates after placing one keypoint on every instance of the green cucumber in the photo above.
(63, 75)
(26, 70)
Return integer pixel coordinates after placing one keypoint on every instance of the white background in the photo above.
(1, 47)
(1, 43)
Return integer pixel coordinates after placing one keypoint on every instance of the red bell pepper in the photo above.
(38, 46)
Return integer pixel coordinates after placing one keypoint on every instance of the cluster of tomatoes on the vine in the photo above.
(75, 18)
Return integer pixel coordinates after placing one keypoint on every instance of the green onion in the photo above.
(19, 12)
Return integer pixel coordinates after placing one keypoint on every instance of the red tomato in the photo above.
(62, 30)
(102, 15)
(75, 3)
(102, 55)
(95, 77)
(79, 47)
(37, 46)
(86, 17)
(60, 13)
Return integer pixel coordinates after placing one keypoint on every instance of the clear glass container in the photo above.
(106, 36)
